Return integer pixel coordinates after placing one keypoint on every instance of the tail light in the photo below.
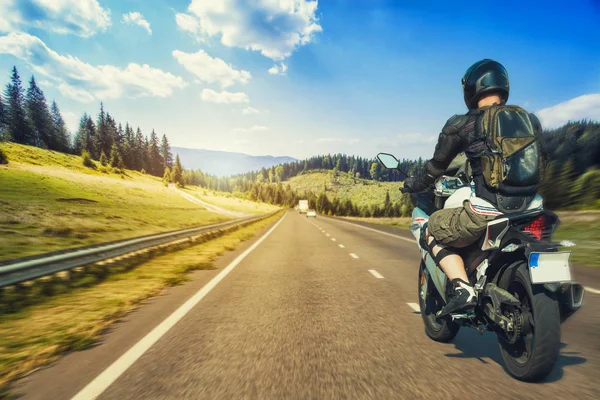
(536, 227)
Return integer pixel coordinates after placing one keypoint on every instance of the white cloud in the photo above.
(273, 27)
(250, 110)
(137, 19)
(224, 97)
(255, 128)
(582, 107)
(71, 120)
(338, 140)
(78, 17)
(84, 82)
(278, 70)
(210, 70)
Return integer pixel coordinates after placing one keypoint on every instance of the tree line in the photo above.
(26, 118)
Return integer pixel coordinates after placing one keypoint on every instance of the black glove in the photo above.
(413, 185)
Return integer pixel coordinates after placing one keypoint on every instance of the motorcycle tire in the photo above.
(534, 355)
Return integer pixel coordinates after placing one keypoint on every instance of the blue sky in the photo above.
(299, 78)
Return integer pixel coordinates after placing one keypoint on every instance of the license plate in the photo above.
(549, 267)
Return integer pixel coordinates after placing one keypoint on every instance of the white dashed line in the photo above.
(342, 246)
(333, 239)
(327, 234)
(591, 290)
(353, 255)
(376, 274)
(415, 307)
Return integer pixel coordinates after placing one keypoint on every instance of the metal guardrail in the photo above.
(22, 270)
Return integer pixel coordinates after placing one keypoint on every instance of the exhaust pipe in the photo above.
(570, 299)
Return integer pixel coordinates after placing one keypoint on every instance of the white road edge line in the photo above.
(375, 230)
(342, 246)
(591, 290)
(96, 387)
(353, 255)
(415, 307)
(376, 274)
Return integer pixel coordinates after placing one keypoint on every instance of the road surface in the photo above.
(318, 309)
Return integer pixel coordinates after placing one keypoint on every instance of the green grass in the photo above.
(229, 202)
(37, 335)
(50, 201)
(581, 227)
(340, 185)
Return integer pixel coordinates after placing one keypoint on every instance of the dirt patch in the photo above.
(76, 200)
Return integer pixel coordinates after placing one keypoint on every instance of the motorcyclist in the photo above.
(485, 83)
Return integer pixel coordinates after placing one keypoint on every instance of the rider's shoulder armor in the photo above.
(455, 124)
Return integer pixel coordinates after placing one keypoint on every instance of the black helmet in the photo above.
(484, 76)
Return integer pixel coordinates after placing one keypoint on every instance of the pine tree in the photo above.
(177, 173)
(39, 115)
(2, 120)
(103, 139)
(139, 150)
(167, 177)
(90, 144)
(60, 133)
(80, 139)
(166, 152)
(157, 163)
(103, 160)
(116, 159)
(17, 122)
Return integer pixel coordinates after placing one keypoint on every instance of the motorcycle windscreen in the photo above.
(549, 267)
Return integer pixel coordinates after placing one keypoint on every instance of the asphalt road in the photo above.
(320, 309)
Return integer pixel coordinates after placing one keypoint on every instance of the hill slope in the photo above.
(341, 185)
(50, 201)
(223, 163)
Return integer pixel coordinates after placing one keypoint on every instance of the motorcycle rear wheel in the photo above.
(440, 330)
(534, 355)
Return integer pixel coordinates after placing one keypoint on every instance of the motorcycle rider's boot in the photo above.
(462, 299)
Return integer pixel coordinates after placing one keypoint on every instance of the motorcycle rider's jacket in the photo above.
(460, 134)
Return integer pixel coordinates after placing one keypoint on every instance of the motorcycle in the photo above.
(524, 284)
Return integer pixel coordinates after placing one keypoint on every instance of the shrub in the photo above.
(143, 171)
(103, 160)
(87, 159)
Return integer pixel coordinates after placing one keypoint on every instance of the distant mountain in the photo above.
(222, 163)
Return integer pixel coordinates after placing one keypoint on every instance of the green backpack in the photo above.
(511, 160)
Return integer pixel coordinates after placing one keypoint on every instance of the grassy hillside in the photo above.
(50, 201)
(342, 186)
(228, 201)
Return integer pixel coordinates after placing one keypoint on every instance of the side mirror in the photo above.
(388, 161)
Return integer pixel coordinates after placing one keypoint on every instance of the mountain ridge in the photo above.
(224, 163)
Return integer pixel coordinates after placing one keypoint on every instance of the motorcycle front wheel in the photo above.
(430, 302)
(532, 356)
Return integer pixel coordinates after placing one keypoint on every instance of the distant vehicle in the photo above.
(311, 213)
(302, 206)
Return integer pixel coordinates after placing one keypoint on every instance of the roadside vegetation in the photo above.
(37, 335)
(50, 201)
